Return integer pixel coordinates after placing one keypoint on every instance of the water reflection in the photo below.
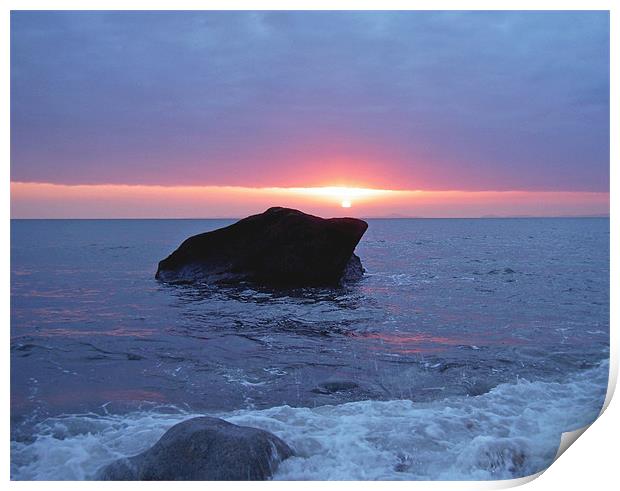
(345, 297)
(407, 343)
(96, 324)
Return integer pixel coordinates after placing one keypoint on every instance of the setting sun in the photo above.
(342, 194)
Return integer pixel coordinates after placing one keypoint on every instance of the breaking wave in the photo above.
(511, 431)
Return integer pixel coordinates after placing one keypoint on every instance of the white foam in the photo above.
(512, 431)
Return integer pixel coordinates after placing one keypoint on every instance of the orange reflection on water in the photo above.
(420, 343)
(408, 343)
(76, 333)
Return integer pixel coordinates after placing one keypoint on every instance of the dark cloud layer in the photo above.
(435, 100)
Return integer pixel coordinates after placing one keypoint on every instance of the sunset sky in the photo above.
(222, 114)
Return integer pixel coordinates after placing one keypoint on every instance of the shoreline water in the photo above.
(456, 320)
(512, 431)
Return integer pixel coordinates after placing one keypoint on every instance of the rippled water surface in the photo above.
(451, 314)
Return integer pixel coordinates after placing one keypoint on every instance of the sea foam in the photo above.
(512, 431)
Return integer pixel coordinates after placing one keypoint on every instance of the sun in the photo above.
(343, 195)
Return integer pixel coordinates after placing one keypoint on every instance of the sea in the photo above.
(464, 353)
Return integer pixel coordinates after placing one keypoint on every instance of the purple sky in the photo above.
(402, 100)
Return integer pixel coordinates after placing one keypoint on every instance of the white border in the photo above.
(591, 463)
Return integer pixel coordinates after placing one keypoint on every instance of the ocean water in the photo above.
(464, 353)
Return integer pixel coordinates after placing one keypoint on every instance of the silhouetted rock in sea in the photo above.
(280, 247)
(204, 449)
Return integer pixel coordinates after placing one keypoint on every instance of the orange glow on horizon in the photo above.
(45, 200)
(343, 194)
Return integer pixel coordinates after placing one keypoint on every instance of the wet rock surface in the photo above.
(280, 247)
(204, 449)
(333, 386)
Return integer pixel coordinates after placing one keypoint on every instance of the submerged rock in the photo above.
(204, 449)
(332, 386)
(280, 247)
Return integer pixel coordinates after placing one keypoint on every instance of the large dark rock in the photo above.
(280, 247)
(203, 449)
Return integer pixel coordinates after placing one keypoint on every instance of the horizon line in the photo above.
(482, 217)
(229, 202)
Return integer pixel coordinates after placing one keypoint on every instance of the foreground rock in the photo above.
(204, 449)
(280, 247)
